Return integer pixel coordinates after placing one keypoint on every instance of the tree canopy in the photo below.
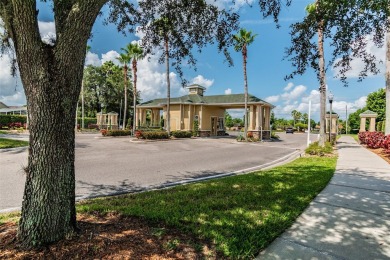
(349, 25)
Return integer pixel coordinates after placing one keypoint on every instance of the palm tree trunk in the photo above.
(134, 94)
(322, 75)
(244, 54)
(125, 109)
(168, 125)
(387, 115)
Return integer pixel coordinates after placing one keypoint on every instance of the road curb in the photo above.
(285, 159)
(280, 161)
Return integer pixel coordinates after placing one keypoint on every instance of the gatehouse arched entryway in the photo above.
(363, 117)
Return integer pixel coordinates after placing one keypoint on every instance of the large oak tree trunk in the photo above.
(48, 211)
(51, 76)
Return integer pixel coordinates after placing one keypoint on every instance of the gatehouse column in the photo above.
(372, 124)
(362, 124)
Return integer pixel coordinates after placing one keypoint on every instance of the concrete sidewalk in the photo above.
(349, 219)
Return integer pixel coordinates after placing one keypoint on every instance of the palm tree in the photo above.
(315, 8)
(124, 58)
(293, 113)
(242, 40)
(165, 27)
(135, 53)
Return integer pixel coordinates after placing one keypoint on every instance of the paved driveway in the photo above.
(114, 165)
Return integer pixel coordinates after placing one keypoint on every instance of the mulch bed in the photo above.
(381, 153)
(111, 237)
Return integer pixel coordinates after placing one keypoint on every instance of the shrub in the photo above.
(373, 140)
(240, 138)
(316, 149)
(155, 135)
(104, 132)
(274, 135)
(302, 127)
(182, 134)
(249, 135)
(87, 121)
(118, 133)
(7, 119)
(14, 125)
(196, 128)
(93, 126)
(386, 144)
(379, 126)
(138, 134)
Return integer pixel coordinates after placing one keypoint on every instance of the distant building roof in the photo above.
(368, 113)
(14, 110)
(2, 105)
(233, 99)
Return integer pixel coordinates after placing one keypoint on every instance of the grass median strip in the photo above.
(240, 215)
(10, 143)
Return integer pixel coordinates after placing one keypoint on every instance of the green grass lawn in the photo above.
(9, 143)
(241, 215)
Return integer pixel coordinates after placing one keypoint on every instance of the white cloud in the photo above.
(111, 56)
(200, 80)
(47, 31)
(221, 4)
(289, 86)
(92, 59)
(17, 99)
(11, 90)
(272, 99)
(152, 79)
(357, 65)
(294, 94)
(236, 113)
(228, 91)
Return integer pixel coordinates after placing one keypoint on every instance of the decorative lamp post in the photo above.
(330, 98)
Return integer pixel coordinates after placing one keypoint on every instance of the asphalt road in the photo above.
(115, 165)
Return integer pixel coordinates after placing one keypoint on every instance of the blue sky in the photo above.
(266, 67)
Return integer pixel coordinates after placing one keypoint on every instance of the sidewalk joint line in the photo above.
(360, 188)
(357, 210)
(314, 249)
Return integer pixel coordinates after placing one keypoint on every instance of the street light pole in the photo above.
(330, 97)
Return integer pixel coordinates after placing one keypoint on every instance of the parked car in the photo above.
(289, 130)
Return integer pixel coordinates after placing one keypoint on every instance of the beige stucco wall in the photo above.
(175, 117)
(207, 113)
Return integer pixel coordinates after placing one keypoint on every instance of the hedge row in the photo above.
(115, 132)
(12, 121)
(182, 134)
(87, 121)
(155, 135)
(151, 134)
(375, 140)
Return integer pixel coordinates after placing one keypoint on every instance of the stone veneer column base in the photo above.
(257, 134)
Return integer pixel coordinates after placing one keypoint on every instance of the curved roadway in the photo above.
(115, 165)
